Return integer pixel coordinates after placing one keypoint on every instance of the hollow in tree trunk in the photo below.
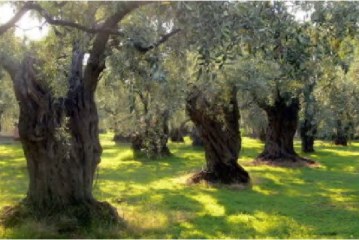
(218, 127)
(282, 125)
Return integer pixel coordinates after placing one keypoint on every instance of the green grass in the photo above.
(152, 197)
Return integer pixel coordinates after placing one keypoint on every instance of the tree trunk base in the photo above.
(238, 176)
(65, 220)
(139, 153)
(284, 161)
(341, 142)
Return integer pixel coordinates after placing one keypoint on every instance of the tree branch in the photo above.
(53, 21)
(162, 39)
(14, 19)
(96, 62)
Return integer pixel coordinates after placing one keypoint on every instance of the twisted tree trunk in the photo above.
(60, 136)
(61, 144)
(218, 127)
(282, 125)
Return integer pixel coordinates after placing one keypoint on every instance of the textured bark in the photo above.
(61, 145)
(282, 125)
(218, 127)
(60, 136)
(60, 141)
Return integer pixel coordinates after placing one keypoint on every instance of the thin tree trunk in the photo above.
(308, 128)
(218, 126)
(307, 133)
(282, 125)
(341, 137)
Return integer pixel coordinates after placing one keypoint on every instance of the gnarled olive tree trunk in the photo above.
(282, 125)
(60, 136)
(61, 144)
(60, 139)
(218, 126)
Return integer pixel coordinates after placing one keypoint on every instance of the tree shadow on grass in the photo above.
(283, 203)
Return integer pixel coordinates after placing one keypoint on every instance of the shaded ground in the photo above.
(155, 203)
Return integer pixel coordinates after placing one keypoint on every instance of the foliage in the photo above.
(8, 106)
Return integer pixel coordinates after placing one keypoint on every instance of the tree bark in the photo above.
(218, 127)
(60, 139)
(61, 144)
(60, 136)
(282, 125)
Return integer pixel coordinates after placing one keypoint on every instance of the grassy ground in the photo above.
(154, 201)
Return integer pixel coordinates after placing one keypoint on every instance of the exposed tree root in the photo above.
(67, 219)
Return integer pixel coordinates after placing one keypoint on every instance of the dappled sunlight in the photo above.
(289, 227)
(155, 200)
(210, 205)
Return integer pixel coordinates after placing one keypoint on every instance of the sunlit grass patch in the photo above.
(156, 202)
